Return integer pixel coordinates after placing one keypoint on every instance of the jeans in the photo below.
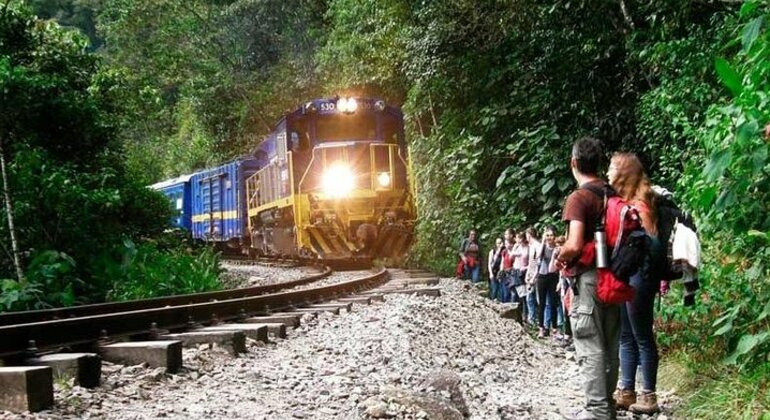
(532, 305)
(546, 291)
(505, 292)
(473, 273)
(494, 288)
(596, 329)
(637, 340)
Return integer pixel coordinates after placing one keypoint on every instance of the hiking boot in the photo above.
(624, 398)
(647, 404)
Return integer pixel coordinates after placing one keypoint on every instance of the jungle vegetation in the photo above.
(494, 93)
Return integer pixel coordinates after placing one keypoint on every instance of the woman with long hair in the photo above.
(520, 262)
(637, 339)
(493, 267)
(547, 280)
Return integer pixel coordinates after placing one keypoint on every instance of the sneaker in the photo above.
(624, 398)
(541, 333)
(647, 404)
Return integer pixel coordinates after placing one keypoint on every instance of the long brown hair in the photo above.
(632, 183)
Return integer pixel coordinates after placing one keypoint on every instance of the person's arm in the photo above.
(491, 263)
(552, 266)
(532, 263)
(574, 245)
(462, 250)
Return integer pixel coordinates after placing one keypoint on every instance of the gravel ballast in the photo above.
(250, 275)
(409, 357)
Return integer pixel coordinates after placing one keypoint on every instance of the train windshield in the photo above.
(346, 127)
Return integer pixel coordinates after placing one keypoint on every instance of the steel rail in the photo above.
(337, 264)
(26, 317)
(16, 340)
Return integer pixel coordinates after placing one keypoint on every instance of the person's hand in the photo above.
(560, 264)
(664, 287)
(465, 259)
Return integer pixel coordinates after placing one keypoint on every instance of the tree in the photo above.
(69, 203)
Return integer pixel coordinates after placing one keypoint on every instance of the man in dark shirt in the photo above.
(595, 325)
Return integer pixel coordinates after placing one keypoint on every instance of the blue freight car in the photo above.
(177, 190)
(218, 206)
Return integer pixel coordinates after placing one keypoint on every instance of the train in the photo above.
(331, 181)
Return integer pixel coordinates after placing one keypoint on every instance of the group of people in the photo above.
(542, 275)
(522, 269)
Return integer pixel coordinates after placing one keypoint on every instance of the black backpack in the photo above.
(669, 214)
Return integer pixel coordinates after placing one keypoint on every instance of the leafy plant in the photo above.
(147, 271)
(15, 296)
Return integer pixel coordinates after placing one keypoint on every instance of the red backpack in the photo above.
(627, 245)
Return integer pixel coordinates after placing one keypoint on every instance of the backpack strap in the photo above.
(603, 192)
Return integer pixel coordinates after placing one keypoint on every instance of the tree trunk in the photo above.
(9, 213)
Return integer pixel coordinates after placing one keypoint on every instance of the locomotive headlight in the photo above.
(342, 105)
(337, 181)
(383, 179)
(352, 105)
(347, 105)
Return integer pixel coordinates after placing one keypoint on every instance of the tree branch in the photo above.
(627, 15)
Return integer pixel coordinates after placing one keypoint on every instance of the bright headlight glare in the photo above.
(352, 105)
(347, 105)
(383, 179)
(337, 180)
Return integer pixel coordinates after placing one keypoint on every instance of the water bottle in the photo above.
(600, 238)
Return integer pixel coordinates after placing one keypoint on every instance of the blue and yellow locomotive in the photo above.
(331, 181)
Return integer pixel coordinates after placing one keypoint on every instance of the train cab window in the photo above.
(179, 203)
(345, 127)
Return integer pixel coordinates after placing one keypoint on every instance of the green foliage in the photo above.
(731, 191)
(713, 389)
(203, 81)
(149, 270)
(54, 273)
(73, 200)
(16, 296)
(76, 14)
(365, 47)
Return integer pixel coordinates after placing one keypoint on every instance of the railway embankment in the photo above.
(409, 356)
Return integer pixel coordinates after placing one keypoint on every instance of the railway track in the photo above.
(356, 263)
(268, 262)
(27, 317)
(160, 327)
